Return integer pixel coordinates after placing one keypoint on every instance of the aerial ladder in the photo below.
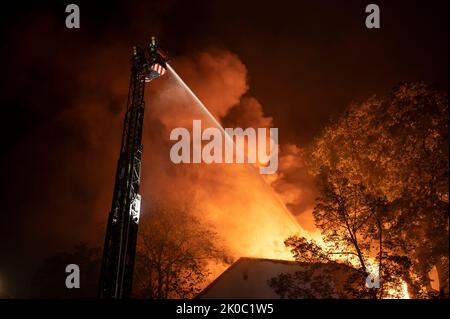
(116, 275)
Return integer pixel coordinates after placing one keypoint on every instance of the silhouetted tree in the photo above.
(397, 147)
(173, 253)
(353, 226)
(324, 279)
(382, 168)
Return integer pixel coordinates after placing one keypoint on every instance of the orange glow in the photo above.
(250, 218)
(405, 292)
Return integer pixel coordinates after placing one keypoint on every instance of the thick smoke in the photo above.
(76, 147)
(234, 198)
(295, 185)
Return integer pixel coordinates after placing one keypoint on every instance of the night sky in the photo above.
(306, 61)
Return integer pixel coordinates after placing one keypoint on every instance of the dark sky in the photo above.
(306, 61)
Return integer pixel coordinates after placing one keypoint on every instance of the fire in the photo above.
(405, 292)
(247, 214)
(233, 199)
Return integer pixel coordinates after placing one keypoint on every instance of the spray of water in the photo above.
(199, 103)
(402, 291)
(252, 168)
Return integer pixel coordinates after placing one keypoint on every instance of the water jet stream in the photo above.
(253, 169)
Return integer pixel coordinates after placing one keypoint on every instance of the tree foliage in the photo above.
(382, 171)
(174, 251)
(354, 228)
(314, 281)
(395, 148)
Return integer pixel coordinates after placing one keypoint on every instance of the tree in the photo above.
(353, 224)
(174, 249)
(397, 147)
(319, 280)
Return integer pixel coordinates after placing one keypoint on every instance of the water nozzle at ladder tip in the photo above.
(157, 58)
